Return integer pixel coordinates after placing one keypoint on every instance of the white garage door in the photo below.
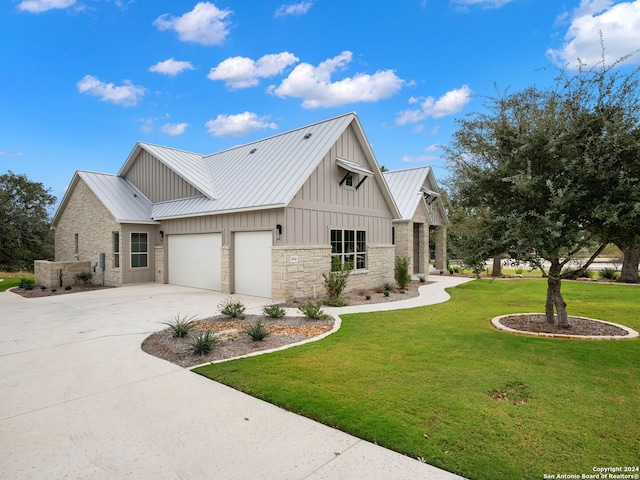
(252, 263)
(194, 260)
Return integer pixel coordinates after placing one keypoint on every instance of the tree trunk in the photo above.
(497, 266)
(630, 263)
(555, 302)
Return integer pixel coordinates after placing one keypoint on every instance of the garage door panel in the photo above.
(252, 263)
(195, 260)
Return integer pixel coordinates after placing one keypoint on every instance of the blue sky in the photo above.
(83, 80)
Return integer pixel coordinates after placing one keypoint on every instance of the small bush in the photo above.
(609, 273)
(336, 280)
(368, 297)
(387, 287)
(54, 290)
(84, 277)
(68, 287)
(401, 272)
(422, 278)
(335, 302)
(232, 309)
(202, 343)
(313, 311)
(257, 331)
(43, 288)
(273, 311)
(519, 271)
(181, 326)
(27, 283)
(386, 293)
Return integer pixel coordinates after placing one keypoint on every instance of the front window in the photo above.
(116, 249)
(349, 246)
(139, 251)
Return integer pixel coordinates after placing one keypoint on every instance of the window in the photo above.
(139, 252)
(348, 181)
(116, 249)
(77, 247)
(349, 246)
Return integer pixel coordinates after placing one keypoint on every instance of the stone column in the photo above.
(441, 248)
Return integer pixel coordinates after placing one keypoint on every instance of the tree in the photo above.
(538, 163)
(25, 233)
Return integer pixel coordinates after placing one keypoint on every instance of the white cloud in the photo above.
(126, 95)
(314, 86)
(243, 72)
(418, 159)
(450, 103)
(174, 129)
(37, 6)
(619, 25)
(171, 67)
(238, 125)
(293, 9)
(205, 24)
(4, 153)
(483, 3)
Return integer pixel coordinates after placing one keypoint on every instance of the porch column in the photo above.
(441, 248)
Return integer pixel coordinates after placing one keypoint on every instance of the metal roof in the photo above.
(188, 165)
(125, 202)
(263, 174)
(406, 188)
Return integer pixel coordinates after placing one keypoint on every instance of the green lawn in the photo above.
(10, 280)
(419, 382)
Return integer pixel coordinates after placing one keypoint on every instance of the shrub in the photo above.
(519, 271)
(401, 272)
(335, 302)
(68, 287)
(27, 283)
(84, 277)
(274, 311)
(386, 293)
(202, 343)
(336, 280)
(232, 309)
(257, 331)
(181, 326)
(368, 297)
(313, 311)
(43, 288)
(422, 278)
(609, 273)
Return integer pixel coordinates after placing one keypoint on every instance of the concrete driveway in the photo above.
(79, 399)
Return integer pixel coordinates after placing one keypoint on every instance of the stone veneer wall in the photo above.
(297, 270)
(87, 217)
(159, 264)
(48, 273)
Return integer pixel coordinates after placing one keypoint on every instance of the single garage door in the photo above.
(252, 263)
(194, 260)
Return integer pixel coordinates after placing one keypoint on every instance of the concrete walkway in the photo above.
(80, 399)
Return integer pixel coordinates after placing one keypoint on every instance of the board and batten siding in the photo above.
(158, 182)
(226, 223)
(322, 203)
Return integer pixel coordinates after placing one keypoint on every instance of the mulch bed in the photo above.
(537, 323)
(37, 292)
(283, 331)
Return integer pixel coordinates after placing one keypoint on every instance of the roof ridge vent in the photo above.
(252, 151)
(307, 136)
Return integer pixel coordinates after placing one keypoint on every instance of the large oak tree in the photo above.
(554, 170)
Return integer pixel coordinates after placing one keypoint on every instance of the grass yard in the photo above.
(12, 279)
(439, 383)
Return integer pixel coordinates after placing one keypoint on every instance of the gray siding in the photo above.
(226, 223)
(322, 203)
(157, 181)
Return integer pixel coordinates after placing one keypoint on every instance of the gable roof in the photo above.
(124, 201)
(264, 174)
(408, 188)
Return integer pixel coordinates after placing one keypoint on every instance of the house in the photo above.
(416, 194)
(261, 219)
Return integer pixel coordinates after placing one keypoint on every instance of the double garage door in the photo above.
(195, 261)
